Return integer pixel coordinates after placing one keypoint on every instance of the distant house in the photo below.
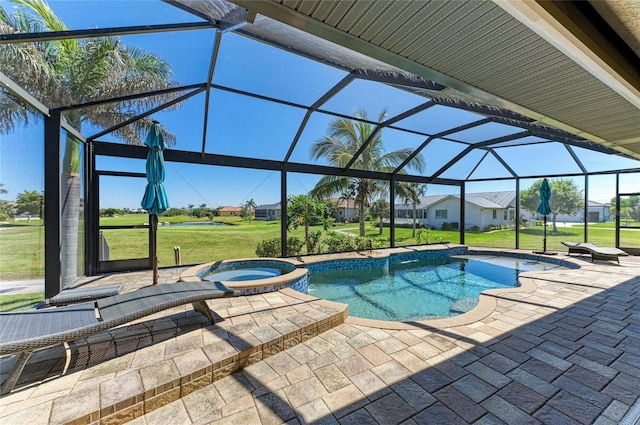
(229, 211)
(268, 212)
(481, 209)
(345, 211)
(597, 213)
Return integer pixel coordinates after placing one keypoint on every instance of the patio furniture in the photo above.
(22, 333)
(78, 295)
(596, 252)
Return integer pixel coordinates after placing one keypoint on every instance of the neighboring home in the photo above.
(345, 211)
(597, 213)
(481, 209)
(268, 212)
(229, 211)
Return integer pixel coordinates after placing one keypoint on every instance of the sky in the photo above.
(243, 126)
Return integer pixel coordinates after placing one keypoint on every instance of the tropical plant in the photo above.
(247, 210)
(347, 195)
(30, 202)
(5, 208)
(566, 198)
(379, 210)
(345, 137)
(304, 211)
(69, 72)
(411, 192)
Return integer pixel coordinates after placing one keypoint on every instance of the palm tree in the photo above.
(341, 144)
(347, 195)
(379, 210)
(411, 192)
(247, 209)
(67, 72)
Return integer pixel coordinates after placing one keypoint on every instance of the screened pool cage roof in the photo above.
(256, 93)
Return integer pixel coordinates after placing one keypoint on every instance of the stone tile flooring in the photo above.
(567, 352)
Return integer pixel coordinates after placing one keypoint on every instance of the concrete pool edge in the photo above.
(248, 287)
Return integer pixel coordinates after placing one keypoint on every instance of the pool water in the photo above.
(245, 272)
(421, 289)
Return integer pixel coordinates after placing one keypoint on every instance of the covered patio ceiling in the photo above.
(574, 65)
(508, 89)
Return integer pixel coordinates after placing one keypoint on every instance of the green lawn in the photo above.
(22, 247)
(21, 252)
(20, 302)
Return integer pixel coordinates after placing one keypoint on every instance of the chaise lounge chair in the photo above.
(597, 252)
(24, 332)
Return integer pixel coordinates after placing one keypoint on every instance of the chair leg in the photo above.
(203, 308)
(11, 381)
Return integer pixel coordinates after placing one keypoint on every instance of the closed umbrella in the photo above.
(155, 200)
(544, 208)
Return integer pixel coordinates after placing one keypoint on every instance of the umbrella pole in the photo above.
(544, 240)
(154, 255)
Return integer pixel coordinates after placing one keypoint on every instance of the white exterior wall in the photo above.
(602, 212)
(452, 206)
(343, 213)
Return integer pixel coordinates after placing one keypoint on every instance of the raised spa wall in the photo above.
(297, 279)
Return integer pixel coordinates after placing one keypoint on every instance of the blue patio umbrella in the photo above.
(545, 209)
(155, 198)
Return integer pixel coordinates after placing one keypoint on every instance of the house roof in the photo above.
(275, 206)
(501, 199)
(231, 209)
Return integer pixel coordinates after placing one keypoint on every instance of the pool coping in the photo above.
(487, 300)
(192, 274)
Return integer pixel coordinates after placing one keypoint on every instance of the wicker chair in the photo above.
(24, 332)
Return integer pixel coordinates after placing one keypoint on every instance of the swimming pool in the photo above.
(421, 288)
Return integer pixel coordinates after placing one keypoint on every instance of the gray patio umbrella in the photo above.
(544, 208)
(155, 200)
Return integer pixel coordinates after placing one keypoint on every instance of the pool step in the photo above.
(130, 371)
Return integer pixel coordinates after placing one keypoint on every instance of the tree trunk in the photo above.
(555, 228)
(306, 237)
(361, 217)
(69, 221)
(70, 188)
(381, 225)
(414, 221)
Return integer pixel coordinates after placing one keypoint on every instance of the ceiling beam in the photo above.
(475, 146)
(38, 37)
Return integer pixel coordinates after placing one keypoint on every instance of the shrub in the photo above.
(269, 248)
(337, 242)
(363, 244)
(447, 226)
(474, 228)
(294, 245)
(314, 242)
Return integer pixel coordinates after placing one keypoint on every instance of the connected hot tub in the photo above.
(251, 275)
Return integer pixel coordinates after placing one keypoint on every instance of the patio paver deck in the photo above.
(566, 352)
